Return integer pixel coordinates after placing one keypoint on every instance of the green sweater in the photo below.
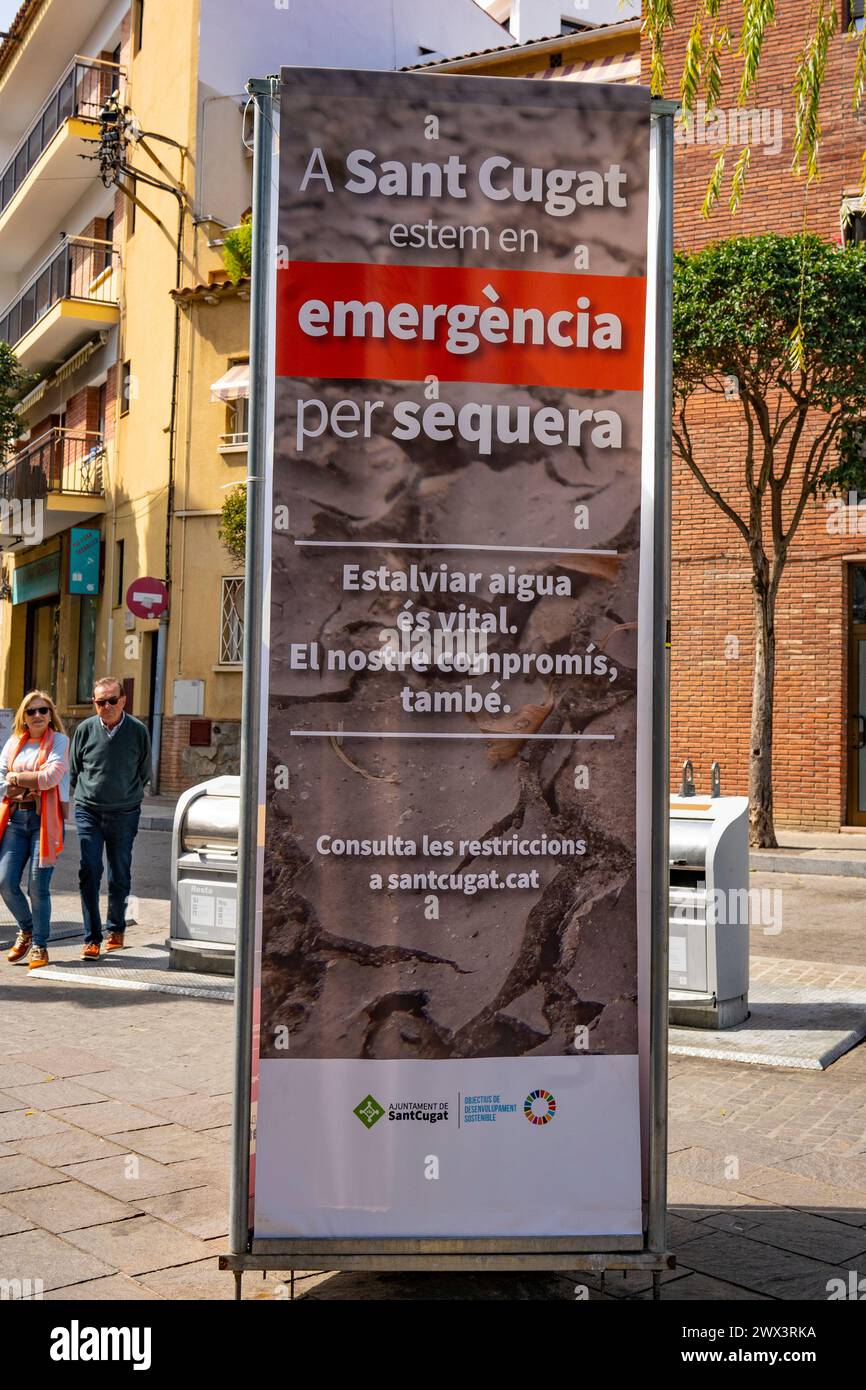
(108, 774)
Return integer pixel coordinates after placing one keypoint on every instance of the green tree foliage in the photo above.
(14, 381)
(738, 305)
(237, 251)
(233, 523)
(709, 37)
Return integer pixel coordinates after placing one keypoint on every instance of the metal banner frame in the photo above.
(580, 1253)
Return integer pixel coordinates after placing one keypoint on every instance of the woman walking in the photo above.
(34, 784)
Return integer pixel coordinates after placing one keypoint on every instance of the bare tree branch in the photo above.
(686, 451)
(792, 446)
(816, 456)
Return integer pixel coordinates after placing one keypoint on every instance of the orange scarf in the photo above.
(51, 821)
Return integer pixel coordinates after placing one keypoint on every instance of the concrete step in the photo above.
(771, 861)
(814, 852)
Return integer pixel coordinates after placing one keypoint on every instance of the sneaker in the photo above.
(91, 951)
(21, 949)
(115, 941)
(38, 957)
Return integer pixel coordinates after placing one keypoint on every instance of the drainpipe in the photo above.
(162, 631)
(159, 698)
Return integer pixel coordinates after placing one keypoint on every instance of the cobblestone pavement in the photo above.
(801, 1014)
(114, 1135)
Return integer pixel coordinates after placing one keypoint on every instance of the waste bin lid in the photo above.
(211, 822)
(688, 841)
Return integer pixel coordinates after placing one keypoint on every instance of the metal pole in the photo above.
(159, 703)
(262, 93)
(663, 112)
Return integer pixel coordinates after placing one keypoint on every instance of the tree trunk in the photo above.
(762, 831)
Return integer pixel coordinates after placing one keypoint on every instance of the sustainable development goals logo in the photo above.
(539, 1107)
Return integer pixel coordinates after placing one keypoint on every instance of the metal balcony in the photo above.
(81, 92)
(73, 293)
(42, 179)
(57, 463)
(236, 443)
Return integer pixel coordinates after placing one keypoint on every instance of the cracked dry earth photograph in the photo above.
(360, 972)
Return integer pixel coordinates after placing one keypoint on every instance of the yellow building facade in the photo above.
(177, 341)
(114, 296)
(140, 403)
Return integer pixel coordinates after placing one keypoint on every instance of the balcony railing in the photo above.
(234, 443)
(81, 91)
(58, 461)
(82, 268)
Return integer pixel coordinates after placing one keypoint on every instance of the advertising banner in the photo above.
(447, 971)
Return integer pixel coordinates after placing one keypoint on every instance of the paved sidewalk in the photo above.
(814, 852)
(114, 1146)
(113, 1139)
(157, 813)
(801, 1014)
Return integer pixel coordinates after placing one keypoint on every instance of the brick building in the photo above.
(819, 777)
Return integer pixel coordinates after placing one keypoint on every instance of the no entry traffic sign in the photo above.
(147, 597)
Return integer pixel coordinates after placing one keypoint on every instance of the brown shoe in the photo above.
(91, 951)
(114, 942)
(38, 958)
(21, 949)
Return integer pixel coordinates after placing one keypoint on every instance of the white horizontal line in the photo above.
(346, 733)
(429, 545)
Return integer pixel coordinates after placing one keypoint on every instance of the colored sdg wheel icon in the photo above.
(539, 1107)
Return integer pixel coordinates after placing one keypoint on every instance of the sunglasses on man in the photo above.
(109, 700)
(37, 709)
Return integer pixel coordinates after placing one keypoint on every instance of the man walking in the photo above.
(109, 764)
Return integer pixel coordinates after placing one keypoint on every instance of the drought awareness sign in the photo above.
(447, 978)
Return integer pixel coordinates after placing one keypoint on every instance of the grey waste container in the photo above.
(708, 961)
(204, 873)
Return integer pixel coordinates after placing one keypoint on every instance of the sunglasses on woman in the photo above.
(109, 700)
(37, 709)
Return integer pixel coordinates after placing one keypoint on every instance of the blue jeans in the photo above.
(111, 832)
(20, 843)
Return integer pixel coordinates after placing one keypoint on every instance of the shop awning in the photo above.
(234, 385)
(616, 67)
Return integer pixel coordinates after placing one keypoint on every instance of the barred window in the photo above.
(232, 625)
